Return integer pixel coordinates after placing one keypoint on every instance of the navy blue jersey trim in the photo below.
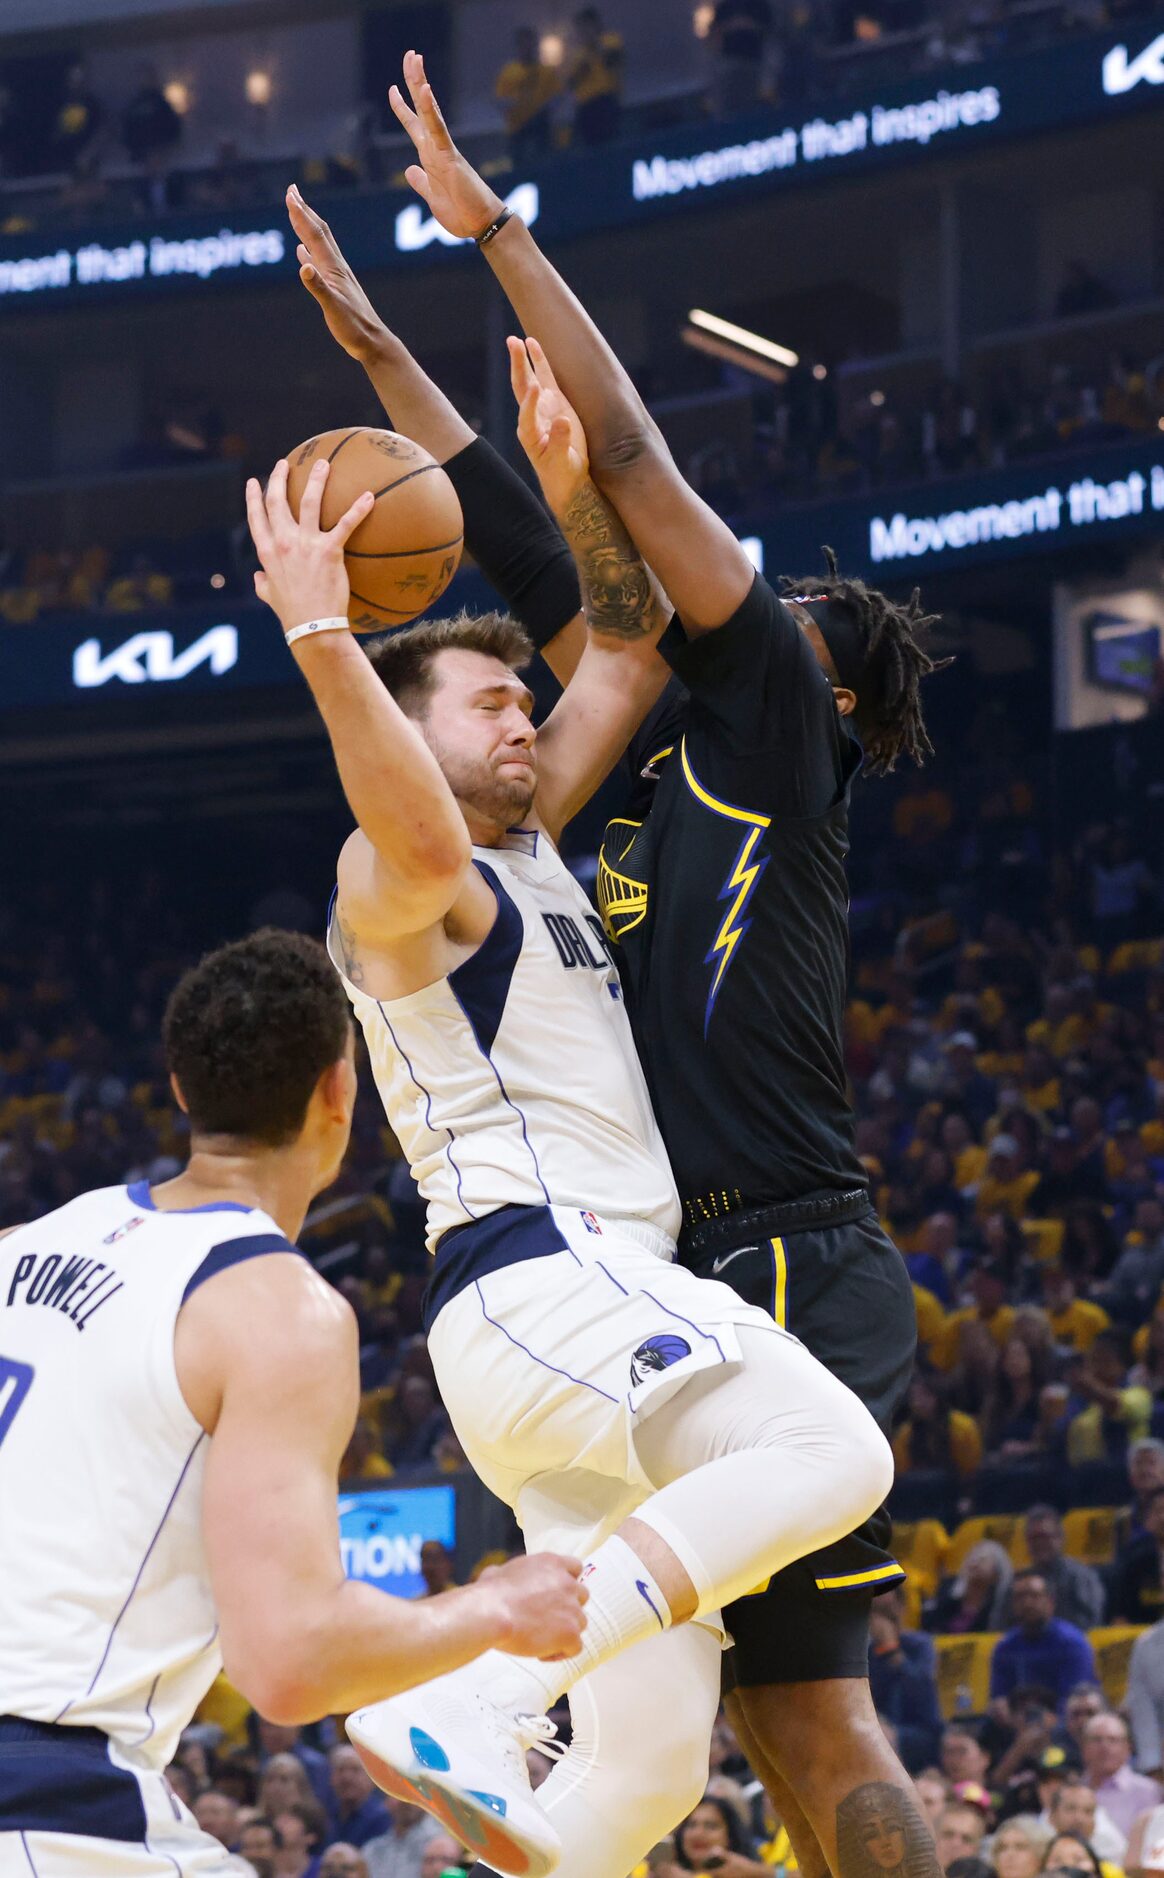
(141, 1196)
(481, 985)
(235, 1252)
(504, 1237)
(58, 1784)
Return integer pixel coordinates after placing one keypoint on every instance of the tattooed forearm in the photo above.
(881, 1834)
(618, 596)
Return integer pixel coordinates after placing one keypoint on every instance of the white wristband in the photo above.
(317, 626)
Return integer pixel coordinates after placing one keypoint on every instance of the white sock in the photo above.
(625, 1606)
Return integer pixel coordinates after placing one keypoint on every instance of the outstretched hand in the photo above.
(303, 575)
(461, 201)
(548, 427)
(351, 317)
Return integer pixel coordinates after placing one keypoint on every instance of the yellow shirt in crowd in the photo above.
(1079, 1325)
(522, 90)
(1085, 1434)
(597, 73)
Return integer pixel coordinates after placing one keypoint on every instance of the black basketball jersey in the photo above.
(724, 889)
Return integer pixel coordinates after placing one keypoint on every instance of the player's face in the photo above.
(477, 725)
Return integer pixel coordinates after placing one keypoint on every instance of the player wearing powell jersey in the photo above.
(108, 1624)
(513, 1080)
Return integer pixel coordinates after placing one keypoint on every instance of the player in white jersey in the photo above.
(177, 1386)
(675, 1433)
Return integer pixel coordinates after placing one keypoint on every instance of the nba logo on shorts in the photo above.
(591, 1224)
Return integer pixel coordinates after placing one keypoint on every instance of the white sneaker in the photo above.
(448, 1748)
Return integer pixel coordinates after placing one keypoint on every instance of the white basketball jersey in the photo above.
(515, 1080)
(108, 1619)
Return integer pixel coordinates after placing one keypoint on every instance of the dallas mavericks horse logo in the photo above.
(657, 1353)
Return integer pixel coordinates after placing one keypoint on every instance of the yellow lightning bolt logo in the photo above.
(741, 881)
(748, 867)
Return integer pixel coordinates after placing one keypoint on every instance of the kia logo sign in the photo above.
(415, 230)
(1120, 74)
(149, 658)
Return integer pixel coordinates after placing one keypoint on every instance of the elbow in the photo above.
(623, 451)
(279, 1693)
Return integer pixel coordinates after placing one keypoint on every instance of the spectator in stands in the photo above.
(343, 1861)
(1085, 1700)
(1138, 1274)
(1137, 1591)
(1072, 1855)
(76, 124)
(217, 1813)
(1018, 1847)
(151, 131)
(1118, 1413)
(526, 88)
(976, 1597)
(740, 31)
(359, 1812)
(903, 1679)
(1041, 1649)
(935, 1436)
(936, 1255)
(302, 1829)
(963, 1083)
(1074, 1808)
(275, 1738)
(594, 79)
(398, 1853)
(1006, 1185)
(1075, 1321)
(363, 1457)
(436, 1568)
(260, 1844)
(1145, 1700)
(933, 1792)
(959, 1833)
(424, 1424)
(1076, 1590)
(1107, 1756)
(962, 1755)
(712, 1837)
(442, 1854)
(283, 1784)
(1010, 1415)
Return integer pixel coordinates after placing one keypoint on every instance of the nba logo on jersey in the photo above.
(123, 1231)
(591, 1224)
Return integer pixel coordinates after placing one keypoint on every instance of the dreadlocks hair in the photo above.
(888, 714)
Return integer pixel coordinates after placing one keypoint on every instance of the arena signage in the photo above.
(154, 257)
(1121, 74)
(416, 230)
(1056, 510)
(381, 1534)
(150, 658)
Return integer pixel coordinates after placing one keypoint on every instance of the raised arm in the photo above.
(267, 1360)
(413, 855)
(695, 555)
(507, 531)
(620, 675)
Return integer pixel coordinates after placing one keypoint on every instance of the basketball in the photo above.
(403, 557)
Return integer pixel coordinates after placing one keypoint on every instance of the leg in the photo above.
(809, 1857)
(824, 1742)
(638, 1760)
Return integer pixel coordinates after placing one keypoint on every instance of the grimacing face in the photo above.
(477, 724)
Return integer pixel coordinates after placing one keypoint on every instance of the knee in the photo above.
(867, 1459)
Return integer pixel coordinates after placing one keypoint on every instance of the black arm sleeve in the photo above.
(515, 542)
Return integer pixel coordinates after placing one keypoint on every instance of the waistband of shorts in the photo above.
(780, 1220)
(21, 1729)
(512, 1234)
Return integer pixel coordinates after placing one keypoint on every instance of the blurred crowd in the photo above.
(555, 91)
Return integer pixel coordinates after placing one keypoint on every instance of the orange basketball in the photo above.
(403, 557)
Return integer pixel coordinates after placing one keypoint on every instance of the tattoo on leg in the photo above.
(881, 1834)
(617, 594)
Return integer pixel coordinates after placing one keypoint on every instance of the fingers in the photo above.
(416, 179)
(258, 521)
(311, 501)
(350, 520)
(424, 97)
(278, 509)
(521, 375)
(542, 369)
(408, 118)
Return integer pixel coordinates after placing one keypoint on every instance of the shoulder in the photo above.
(259, 1329)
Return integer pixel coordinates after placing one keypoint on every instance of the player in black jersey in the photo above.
(724, 886)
